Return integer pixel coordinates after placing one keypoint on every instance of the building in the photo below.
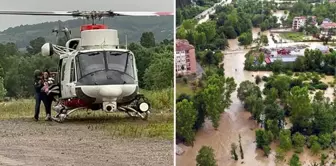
(285, 59)
(327, 27)
(299, 22)
(332, 1)
(185, 58)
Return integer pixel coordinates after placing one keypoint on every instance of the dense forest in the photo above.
(133, 27)
(154, 62)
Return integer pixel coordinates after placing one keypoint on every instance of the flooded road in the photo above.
(233, 122)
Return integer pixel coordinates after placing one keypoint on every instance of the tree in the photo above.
(245, 38)
(264, 39)
(217, 101)
(246, 88)
(147, 39)
(257, 79)
(261, 58)
(325, 140)
(200, 106)
(324, 116)
(277, 66)
(209, 28)
(206, 157)
(241, 148)
(185, 120)
(3, 91)
(159, 74)
(301, 109)
(280, 154)
(285, 140)
(299, 64)
(263, 138)
(35, 45)
(298, 141)
(295, 160)
(315, 148)
(233, 151)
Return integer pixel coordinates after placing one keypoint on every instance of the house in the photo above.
(327, 27)
(185, 58)
(332, 1)
(299, 22)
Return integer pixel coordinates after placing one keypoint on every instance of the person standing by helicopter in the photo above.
(38, 98)
(47, 99)
(41, 86)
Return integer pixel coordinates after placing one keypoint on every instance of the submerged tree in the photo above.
(206, 157)
(241, 148)
(233, 151)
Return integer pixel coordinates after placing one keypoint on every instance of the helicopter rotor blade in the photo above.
(35, 13)
(143, 13)
(96, 14)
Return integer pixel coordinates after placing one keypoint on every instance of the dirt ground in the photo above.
(25, 142)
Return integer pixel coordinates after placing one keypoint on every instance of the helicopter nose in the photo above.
(110, 91)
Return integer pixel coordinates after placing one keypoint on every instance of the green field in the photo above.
(295, 36)
(183, 88)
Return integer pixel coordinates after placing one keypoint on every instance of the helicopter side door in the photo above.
(73, 79)
(63, 78)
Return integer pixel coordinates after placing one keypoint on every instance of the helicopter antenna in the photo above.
(126, 41)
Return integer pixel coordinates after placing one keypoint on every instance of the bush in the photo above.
(257, 79)
(321, 86)
(264, 78)
(289, 72)
(185, 80)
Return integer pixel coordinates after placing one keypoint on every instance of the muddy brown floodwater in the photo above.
(233, 122)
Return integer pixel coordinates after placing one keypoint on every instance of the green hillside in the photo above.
(133, 27)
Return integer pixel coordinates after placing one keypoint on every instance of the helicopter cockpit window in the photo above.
(105, 68)
(121, 61)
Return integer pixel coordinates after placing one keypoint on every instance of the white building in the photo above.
(299, 22)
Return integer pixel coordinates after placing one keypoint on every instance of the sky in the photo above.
(7, 21)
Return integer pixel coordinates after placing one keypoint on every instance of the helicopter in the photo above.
(94, 73)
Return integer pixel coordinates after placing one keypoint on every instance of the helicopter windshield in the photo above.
(105, 68)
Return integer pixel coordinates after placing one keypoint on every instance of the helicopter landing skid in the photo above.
(134, 113)
(64, 113)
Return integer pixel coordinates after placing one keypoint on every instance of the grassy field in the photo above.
(295, 36)
(160, 123)
(183, 88)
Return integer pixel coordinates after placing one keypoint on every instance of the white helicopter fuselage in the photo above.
(96, 70)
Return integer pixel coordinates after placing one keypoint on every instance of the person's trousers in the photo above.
(46, 102)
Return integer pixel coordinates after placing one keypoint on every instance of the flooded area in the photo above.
(237, 121)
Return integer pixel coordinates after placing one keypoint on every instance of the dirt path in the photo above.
(24, 142)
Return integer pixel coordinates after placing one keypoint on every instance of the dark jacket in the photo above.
(38, 85)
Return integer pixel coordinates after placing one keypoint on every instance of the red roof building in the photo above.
(185, 57)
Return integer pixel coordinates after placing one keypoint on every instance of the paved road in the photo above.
(209, 11)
